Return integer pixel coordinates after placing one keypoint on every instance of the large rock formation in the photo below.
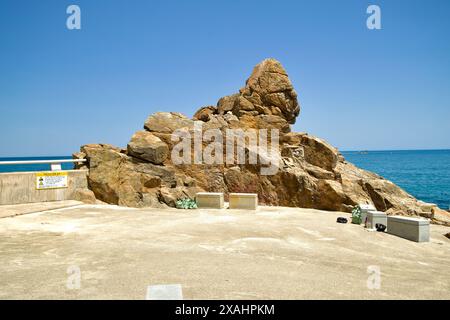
(311, 173)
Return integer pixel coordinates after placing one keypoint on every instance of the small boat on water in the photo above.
(363, 152)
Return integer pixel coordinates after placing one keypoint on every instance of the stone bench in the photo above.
(211, 200)
(248, 201)
(414, 229)
(375, 217)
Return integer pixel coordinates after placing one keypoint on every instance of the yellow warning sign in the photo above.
(51, 180)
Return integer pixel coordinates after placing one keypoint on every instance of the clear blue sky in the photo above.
(358, 88)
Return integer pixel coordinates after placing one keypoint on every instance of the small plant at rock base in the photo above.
(356, 215)
(186, 204)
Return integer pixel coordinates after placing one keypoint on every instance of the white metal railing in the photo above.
(55, 165)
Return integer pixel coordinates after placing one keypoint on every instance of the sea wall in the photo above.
(20, 187)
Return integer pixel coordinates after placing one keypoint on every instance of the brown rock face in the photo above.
(146, 146)
(117, 178)
(320, 153)
(167, 122)
(268, 99)
(85, 195)
(310, 172)
(270, 92)
(204, 114)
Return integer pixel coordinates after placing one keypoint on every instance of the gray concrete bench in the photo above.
(414, 229)
(248, 201)
(211, 200)
(375, 217)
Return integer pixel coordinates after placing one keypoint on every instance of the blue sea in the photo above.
(423, 173)
(33, 167)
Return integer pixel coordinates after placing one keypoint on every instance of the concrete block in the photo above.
(415, 229)
(364, 209)
(248, 201)
(374, 217)
(211, 200)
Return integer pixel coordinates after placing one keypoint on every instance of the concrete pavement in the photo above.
(274, 253)
(13, 210)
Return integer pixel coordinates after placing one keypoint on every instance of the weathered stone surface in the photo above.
(263, 121)
(117, 178)
(440, 216)
(84, 195)
(227, 103)
(292, 138)
(268, 99)
(311, 174)
(146, 146)
(319, 153)
(269, 88)
(167, 122)
(204, 114)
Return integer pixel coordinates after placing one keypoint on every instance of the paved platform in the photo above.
(271, 253)
(7, 211)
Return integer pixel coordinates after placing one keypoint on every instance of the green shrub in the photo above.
(356, 215)
(186, 204)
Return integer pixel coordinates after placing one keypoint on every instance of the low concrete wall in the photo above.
(20, 187)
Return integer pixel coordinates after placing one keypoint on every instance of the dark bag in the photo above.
(341, 220)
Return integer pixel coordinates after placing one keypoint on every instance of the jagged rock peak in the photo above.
(267, 97)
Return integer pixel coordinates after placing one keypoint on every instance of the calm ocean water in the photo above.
(423, 173)
(33, 167)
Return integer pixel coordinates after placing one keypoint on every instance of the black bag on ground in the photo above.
(341, 220)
